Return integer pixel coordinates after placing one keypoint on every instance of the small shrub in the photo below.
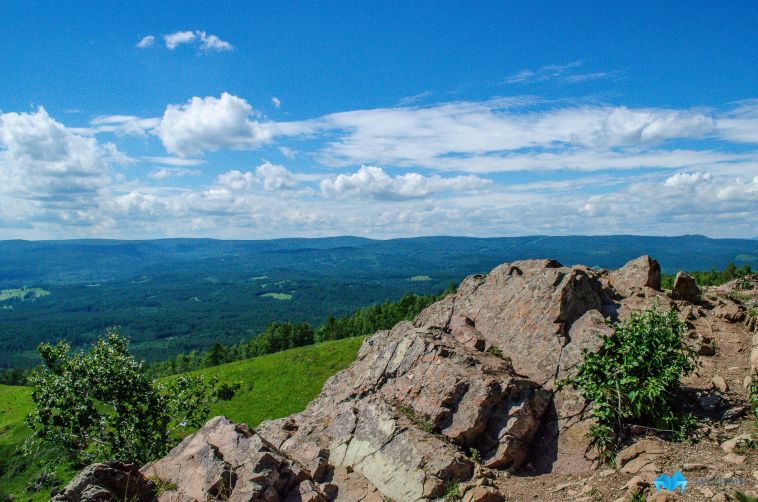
(424, 425)
(743, 497)
(637, 497)
(495, 351)
(452, 492)
(634, 377)
(474, 454)
(162, 486)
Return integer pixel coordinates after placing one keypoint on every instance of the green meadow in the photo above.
(273, 386)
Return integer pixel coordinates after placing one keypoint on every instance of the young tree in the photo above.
(100, 405)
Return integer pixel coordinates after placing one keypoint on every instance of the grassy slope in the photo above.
(277, 385)
(273, 386)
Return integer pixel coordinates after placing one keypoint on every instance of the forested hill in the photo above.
(81, 261)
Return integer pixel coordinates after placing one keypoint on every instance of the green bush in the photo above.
(634, 378)
(100, 405)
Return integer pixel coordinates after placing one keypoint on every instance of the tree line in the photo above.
(711, 277)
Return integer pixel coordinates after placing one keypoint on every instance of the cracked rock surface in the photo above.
(228, 461)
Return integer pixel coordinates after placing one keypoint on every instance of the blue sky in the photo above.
(383, 119)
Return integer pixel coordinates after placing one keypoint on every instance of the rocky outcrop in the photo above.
(643, 272)
(685, 288)
(405, 412)
(469, 385)
(228, 461)
(107, 482)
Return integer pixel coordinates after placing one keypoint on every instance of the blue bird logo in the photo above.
(670, 483)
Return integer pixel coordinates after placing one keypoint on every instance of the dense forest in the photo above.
(280, 336)
(166, 315)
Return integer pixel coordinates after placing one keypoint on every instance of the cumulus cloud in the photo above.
(687, 179)
(276, 102)
(275, 177)
(236, 180)
(207, 124)
(271, 177)
(622, 126)
(207, 42)
(373, 182)
(50, 172)
(145, 42)
(174, 40)
(213, 43)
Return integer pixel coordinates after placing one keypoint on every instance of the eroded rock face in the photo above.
(642, 272)
(404, 412)
(228, 461)
(106, 482)
(525, 309)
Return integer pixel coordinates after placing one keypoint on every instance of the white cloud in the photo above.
(213, 43)
(145, 42)
(271, 177)
(236, 180)
(166, 172)
(207, 42)
(287, 152)
(121, 125)
(565, 73)
(174, 40)
(175, 161)
(210, 123)
(687, 179)
(373, 182)
(454, 133)
(49, 172)
(622, 126)
(275, 177)
(276, 102)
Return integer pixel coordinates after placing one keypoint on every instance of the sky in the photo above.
(254, 120)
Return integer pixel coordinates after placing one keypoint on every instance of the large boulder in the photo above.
(642, 272)
(107, 482)
(685, 288)
(228, 461)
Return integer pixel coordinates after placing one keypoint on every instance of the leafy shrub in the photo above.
(634, 377)
(100, 405)
(749, 444)
(743, 497)
(452, 492)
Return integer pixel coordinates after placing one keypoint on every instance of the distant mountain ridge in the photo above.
(81, 261)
